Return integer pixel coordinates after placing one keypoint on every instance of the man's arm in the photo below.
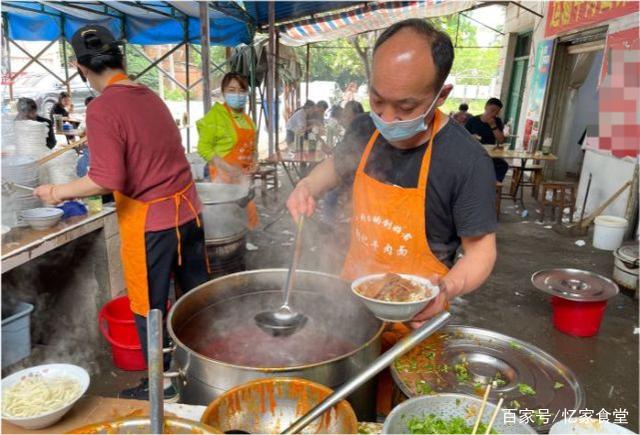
(469, 273)
(80, 188)
(496, 129)
(322, 179)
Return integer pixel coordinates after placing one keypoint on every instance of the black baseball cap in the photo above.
(92, 40)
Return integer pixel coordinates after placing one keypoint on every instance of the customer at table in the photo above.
(28, 111)
(297, 125)
(64, 108)
(462, 115)
(487, 128)
(227, 138)
(137, 153)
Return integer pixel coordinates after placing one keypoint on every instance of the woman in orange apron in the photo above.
(227, 138)
(388, 234)
(136, 152)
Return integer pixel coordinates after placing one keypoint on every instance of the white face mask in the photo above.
(396, 131)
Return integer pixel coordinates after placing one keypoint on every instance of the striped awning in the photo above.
(365, 19)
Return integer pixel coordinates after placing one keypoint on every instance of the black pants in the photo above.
(162, 260)
(501, 167)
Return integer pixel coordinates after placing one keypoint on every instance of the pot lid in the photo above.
(574, 284)
(464, 359)
(628, 253)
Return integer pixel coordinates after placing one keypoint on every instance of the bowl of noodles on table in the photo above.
(38, 397)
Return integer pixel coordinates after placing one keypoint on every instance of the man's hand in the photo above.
(436, 306)
(47, 194)
(301, 202)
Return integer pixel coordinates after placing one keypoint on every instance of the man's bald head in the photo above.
(441, 48)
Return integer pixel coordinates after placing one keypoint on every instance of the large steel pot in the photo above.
(326, 299)
(223, 209)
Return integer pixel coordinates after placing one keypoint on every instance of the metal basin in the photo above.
(137, 425)
(223, 209)
(229, 303)
(271, 405)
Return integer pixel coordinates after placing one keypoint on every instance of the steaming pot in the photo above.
(223, 209)
(234, 299)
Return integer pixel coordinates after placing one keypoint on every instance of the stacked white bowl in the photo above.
(42, 218)
(24, 171)
(62, 169)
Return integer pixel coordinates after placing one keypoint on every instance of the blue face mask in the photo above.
(396, 131)
(236, 101)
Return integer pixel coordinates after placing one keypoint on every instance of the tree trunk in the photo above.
(363, 52)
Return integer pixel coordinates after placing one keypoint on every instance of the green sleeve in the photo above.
(216, 134)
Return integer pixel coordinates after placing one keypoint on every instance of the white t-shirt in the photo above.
(297, 122)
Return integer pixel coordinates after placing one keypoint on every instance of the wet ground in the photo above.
(606, 365)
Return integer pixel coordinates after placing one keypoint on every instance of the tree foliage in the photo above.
(343, 60)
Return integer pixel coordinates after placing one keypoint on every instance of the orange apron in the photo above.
(132, 219)
(241, 155)
(389, 235)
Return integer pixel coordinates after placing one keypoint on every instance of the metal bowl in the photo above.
(448, 406)
(137, 425)
(271, 405)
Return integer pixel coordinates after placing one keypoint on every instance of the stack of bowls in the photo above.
(42, 218)
(21, 170)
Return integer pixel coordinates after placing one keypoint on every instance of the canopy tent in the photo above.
(144, 23)
(366, 18)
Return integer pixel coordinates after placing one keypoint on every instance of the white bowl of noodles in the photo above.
(39, 396)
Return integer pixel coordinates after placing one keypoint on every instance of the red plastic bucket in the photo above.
(119, 329)
(580, 319)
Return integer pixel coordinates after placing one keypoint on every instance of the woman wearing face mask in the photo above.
(227, 137)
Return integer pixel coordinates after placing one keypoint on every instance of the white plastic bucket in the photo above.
(609, 232)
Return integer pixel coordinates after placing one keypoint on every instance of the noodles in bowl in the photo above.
(37, 397)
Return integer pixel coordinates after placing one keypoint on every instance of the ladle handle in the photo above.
(294, 261)
(383, 361)
(156, 377)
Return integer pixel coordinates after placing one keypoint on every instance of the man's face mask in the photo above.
(396, 131)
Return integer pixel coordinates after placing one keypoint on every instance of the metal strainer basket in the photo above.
(447, 406)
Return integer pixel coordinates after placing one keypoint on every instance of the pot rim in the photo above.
(343, 405)
(195, 354)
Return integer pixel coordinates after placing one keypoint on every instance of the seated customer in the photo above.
(28, 110)
(487, 128)
(297, 123)
(462, 115)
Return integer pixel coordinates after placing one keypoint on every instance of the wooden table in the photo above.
(95, 409)
(298, 161)
(505, 153)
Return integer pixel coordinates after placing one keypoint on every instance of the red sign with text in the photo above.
(570, 15)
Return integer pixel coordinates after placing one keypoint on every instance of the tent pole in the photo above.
(188, 95)
(65, 58)
(276, 99)
(204, 43)
(306, 90)
(271, 77)
(7, 54)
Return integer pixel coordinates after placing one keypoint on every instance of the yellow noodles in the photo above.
(36, 395)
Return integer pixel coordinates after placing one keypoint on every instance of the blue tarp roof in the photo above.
(145, 23)
(287, 11)
(153, 22)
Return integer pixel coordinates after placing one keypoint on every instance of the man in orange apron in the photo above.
(136, 152)
(422, 186)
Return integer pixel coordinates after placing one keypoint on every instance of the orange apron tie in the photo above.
(241, 155)
(389, 234)
(132, 218)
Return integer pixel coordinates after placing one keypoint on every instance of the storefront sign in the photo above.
(569, 15)
(537, 90)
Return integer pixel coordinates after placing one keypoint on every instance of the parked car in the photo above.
(45, 88)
